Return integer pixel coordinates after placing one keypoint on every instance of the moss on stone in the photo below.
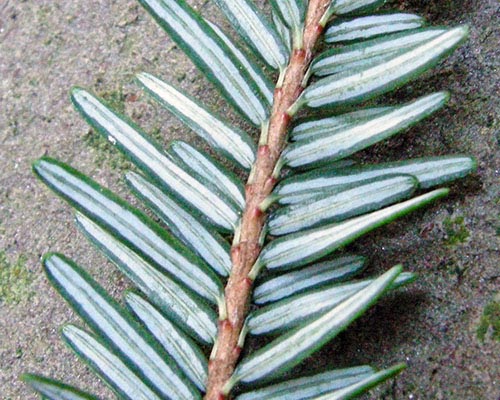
(15, 279)
(105, 153)
(490, 321)
(455, 230)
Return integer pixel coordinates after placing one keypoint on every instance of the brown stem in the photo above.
(244, 253)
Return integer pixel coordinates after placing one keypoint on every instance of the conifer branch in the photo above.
(246, 248)
(180, 266)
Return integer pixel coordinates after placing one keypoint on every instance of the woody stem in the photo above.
(246, 250)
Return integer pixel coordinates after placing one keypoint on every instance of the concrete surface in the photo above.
(443, 326)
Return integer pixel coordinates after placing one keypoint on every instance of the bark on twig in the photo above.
(261, 183)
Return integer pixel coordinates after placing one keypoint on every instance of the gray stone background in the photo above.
(445, 326)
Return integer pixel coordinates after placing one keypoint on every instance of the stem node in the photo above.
(237, 351)
(300, 54)
(225, 325)
(263, 151)
(248, 281)
(257, 213)
(235, 253)
(286, 117)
